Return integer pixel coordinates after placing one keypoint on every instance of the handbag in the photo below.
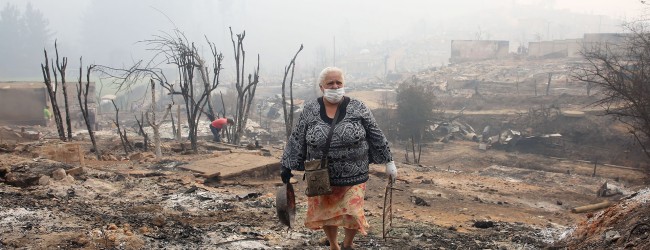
(317, 173)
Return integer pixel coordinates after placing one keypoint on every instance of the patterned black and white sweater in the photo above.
(356, 141)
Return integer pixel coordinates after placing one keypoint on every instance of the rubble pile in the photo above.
(15, 135)
(100, 209)
(625, 225)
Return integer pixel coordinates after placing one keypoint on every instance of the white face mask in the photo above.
(334, 95)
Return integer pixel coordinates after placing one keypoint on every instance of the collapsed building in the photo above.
(478, 50)
(555, 48)
(473, 50)
(23, 102)
(573, 48)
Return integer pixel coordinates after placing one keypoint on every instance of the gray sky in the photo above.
(106, 32)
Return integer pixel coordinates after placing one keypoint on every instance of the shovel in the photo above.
(285, 203)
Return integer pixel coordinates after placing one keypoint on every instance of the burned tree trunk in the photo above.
(155, 124)
(51, 92)
(288, 117)
(119, 130)
(144, 135)
(415, 159)
(406, 154)
(245, 91)
(83, 105)
(179, 124)
(56, 110)
(61, 68)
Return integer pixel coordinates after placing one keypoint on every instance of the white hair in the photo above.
(326, 71)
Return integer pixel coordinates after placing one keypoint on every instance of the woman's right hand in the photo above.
(286, 175)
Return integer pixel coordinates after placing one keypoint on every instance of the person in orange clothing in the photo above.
(217, 125)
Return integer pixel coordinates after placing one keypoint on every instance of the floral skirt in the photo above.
(342, 208)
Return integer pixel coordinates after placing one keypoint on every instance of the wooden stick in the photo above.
(591, 207)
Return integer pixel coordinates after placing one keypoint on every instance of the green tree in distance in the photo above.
(415, 104)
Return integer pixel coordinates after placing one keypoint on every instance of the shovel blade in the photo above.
(285, 203)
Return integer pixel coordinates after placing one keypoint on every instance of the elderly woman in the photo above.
(356, 142)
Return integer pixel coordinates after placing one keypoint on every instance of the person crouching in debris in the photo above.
(47, 115)
(355, 142)
(217, 125)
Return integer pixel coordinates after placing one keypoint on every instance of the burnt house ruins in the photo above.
(23, 102)
(477, 50)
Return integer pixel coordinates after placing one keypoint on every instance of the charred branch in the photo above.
(245, 90)
(122, 135)
(82, 97)
(51, 92)
(61, 68)
(288, 117)
(141, 131)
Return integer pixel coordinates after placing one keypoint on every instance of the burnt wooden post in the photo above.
(413, 149)
(406, 153)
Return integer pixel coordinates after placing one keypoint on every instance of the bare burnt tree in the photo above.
(82, 91)
(245, 90)
(196, 93)
(217, 58)
(175, 49)
(126, 78)
(51, 92)
(122, 135)
(288, 117)
(621, 73)
(155, 124)
(61, 68)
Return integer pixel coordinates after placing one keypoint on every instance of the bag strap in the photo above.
(329, 135)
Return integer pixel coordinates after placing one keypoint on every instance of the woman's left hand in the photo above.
(391, 170)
